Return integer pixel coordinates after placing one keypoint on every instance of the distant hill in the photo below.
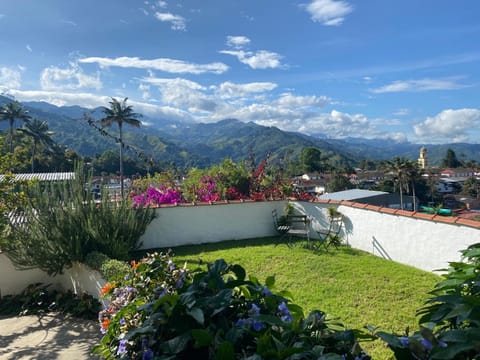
(204, 144)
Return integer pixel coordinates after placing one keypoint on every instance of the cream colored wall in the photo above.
(424, 244)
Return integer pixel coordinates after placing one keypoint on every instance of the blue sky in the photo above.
(399, 70)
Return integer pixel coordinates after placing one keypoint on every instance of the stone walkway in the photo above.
(50, 336)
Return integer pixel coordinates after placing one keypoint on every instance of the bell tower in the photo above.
(422, 160)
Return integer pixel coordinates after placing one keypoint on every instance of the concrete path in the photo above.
(50, 336)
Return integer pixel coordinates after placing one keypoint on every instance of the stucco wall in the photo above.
(404, 237)
(184, 225)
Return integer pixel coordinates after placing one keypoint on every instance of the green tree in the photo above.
(38, 131)
(399, 169)
(450, 160)
(10, 112)
(339, 182)
(312, 159)
(471, 187)
(120, 113)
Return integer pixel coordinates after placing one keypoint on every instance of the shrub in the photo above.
(113, 269)
(62, 223)
(96, 259)
(450, 319)
(158, 310)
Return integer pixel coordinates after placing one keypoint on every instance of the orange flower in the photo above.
(105, 324)
(106, 289)
(135, 264)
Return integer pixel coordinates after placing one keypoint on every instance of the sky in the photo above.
(398, 70)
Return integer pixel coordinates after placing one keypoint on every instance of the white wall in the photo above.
(184, 225)
(425, 244)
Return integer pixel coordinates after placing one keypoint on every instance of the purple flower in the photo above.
(257, 325)
(266, 291)
(255, 311)
(427, 344)
(147, 355)
(284, 313)
(404, 341)
(122, 321)
(171, 265)
(240, 322)
(122, 347)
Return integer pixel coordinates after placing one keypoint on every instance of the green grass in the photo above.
(353, 286)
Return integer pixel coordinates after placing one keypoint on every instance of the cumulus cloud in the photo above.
(9, 78)
(329, 12)
(162, 64)
(261, 59)
(449, 126)
(55, 78)
(420, 85)
(184, 94)
(228, 90)
(178, 22)
(92, 101)
(237, 42)
(294, 101)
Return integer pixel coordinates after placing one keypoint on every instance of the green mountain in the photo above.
(201, 145)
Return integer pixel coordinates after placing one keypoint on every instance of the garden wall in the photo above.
(426, 242)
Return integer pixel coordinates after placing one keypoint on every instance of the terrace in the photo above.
(427, 242)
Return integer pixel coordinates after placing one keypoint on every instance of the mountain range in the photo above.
(203, 144)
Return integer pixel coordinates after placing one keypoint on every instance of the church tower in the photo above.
(422, 160)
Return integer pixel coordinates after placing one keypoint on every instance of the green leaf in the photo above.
(270, 282)
(238, 271)
(177, 344)
(225, 351)
(197, 314)
(451, 351)
(202, 338)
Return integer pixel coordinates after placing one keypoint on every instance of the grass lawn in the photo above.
(353, 286)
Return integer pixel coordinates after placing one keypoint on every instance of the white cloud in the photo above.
(401, 112)
(289, 100)
(177, 82)
(237, 42)
(420, 85)
(69, 22)
(162, 64)
(54, 78)
(228, 90)
(92, 101)
(329, 12)
(184, 94)
(28, 47)
(145, 89)
(450, 126)
(261, 59)
(178, 22)
(162, 4)
(9, 78)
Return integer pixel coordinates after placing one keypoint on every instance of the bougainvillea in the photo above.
(157, 196)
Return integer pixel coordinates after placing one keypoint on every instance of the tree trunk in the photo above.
(10, 134)
(121, 159)
(34, 150)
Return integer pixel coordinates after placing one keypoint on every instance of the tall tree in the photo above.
(11, 112)
(413, 174)
(450, 160)
(120, 113)
(398, 168)
(38, 131)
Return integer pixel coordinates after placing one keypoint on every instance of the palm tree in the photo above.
(413, 173)
(120, 113)
(38, 131)
(398, 168)
(10, 112)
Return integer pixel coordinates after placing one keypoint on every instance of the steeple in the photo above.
(422, 160)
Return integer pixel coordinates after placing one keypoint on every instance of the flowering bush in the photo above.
(207, 190)
(156, 196)
(158, 310)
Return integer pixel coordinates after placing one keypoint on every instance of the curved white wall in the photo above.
(424, 244)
